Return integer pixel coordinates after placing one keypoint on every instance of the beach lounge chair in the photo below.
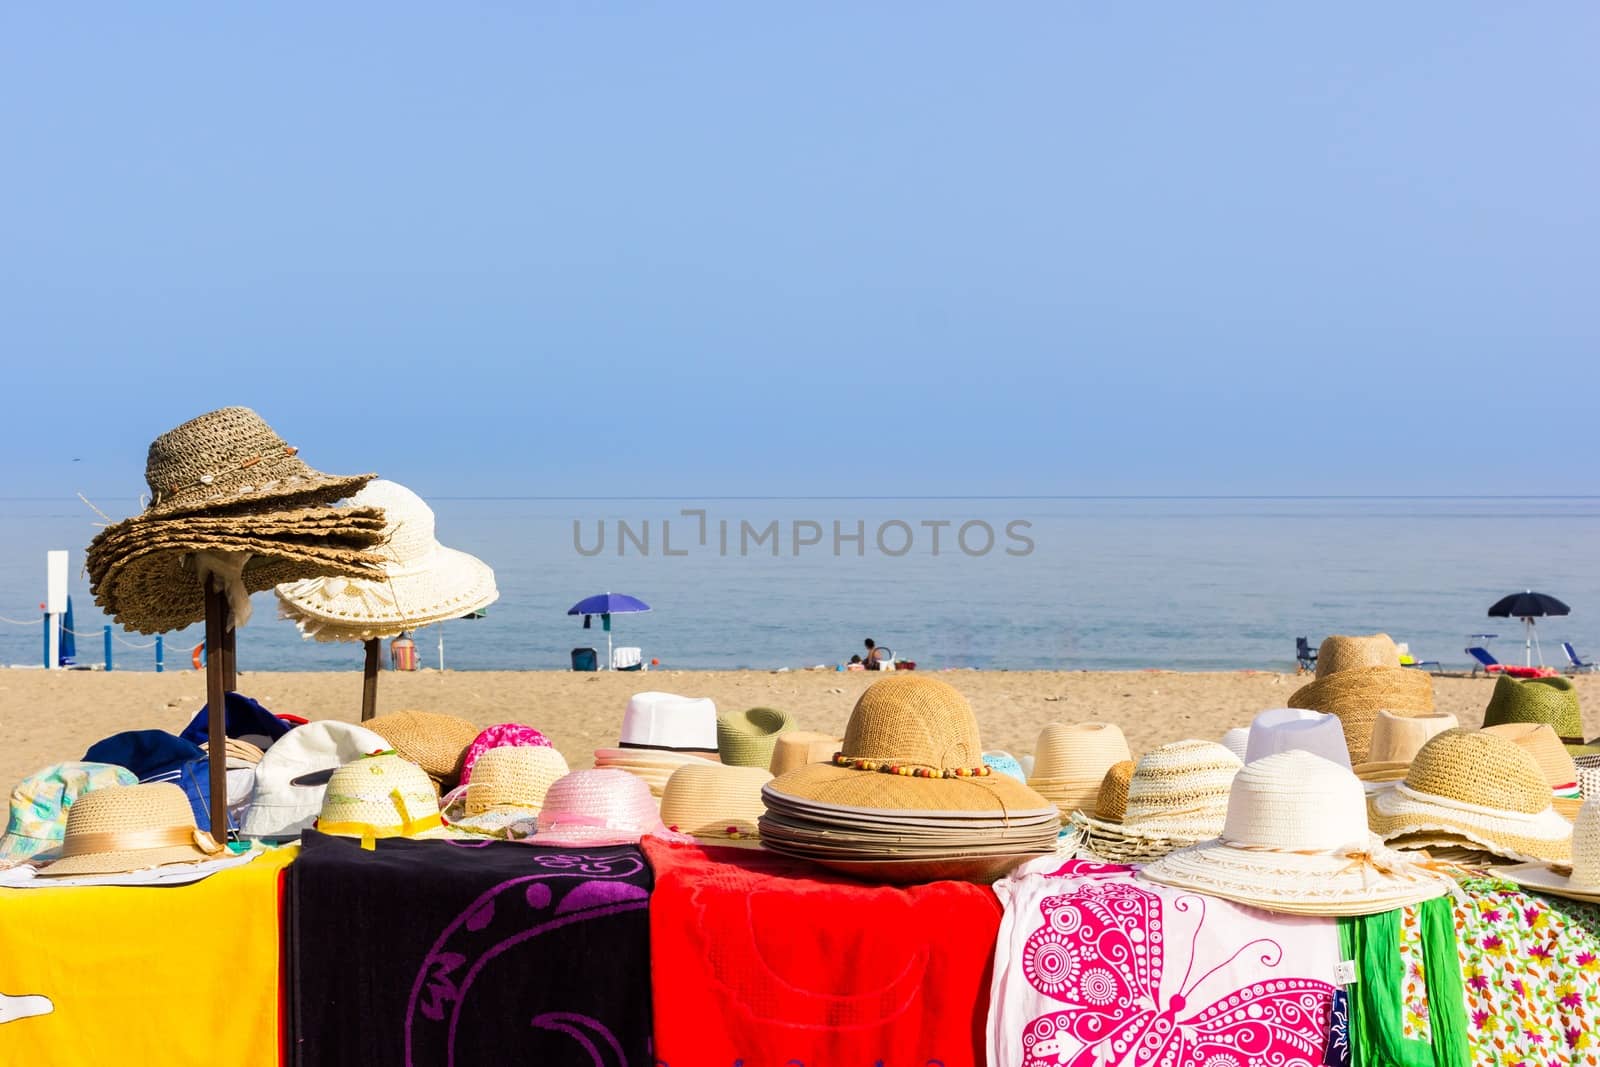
(1490, 665)
(585, 659)
(1305, 654)
(1575, 662)
(627, 659)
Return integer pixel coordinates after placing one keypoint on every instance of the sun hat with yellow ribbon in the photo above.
(125, 828)
(380, 796)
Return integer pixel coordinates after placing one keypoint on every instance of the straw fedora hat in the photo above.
(1553, 701)
(1357, 694)
(1555, 762)
(1471, 788)
(380, 796)
(436, 743)
(124, 828)
(911, 745)
(422, 581)
(1396, 740)
(1286, 729)
(1177, 795)
(1580, 881)
(716, 802)
(746, 738)
(1342, 653)
(651, 766)
(1296, 840)
(1071, 759)
(600, 807)
(1111, 804)
(796, 748)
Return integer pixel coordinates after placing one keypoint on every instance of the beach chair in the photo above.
(627, 659)
(1490, 665)
(1305, 654)
(1575, 662)
(585, 659)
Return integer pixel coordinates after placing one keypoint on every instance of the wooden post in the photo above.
(216, 702)
(230, 659)
(369, 679)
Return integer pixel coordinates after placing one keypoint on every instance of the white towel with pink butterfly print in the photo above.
(1094, 968)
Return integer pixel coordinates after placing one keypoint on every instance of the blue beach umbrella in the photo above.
(606, 605)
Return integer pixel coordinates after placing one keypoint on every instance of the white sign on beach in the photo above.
(55, 600)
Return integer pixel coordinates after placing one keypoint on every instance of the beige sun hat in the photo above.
(513, 780)
(652, 766)
(747, 738)
(380, 796)
(1177, 796)
(1396, 740)
(1471, 788)
(422, 582)
(1237, 741)
(125, 828)
(1296, 840)
(1580, 881)
(1111, 804)
(434, 742)
(1071, 759)
(715, 802)
(1555, 762)
(1357, 694)
(796, 748)
(1342, 652)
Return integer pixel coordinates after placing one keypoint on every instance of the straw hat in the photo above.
(1286, 729)
(509, 787)
(651, 766)
(911, 745)
(124, 828)
(796, 748)
(380, 796)
(747, 738)
(715, 802)
(1342, 653)
(1474, 788)
(1553, 701)
(436, 743)
(239, 753)
(1296, 840)
(1177, 795)
(669, 721)
(1396, 739)
(293, 775)
(1111, 804)
(1070, 760)
(599, 807)
(1357, 694)
(41, 801)
(1555, 762)
(500, 735)
(1580, 881)
(422, 581)
(1237, 741)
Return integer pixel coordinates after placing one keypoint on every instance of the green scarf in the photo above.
(1377, 999)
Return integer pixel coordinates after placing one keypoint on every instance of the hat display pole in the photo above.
(369, 680)
(230, 659)
(216, 700)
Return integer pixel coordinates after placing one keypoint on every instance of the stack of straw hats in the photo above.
(1177, 796)
(908, 798)
(228, 498)
(1357, 677)
(1555, 762)
(747, 738)
(1296, 840)
(422, 581)
(1471, 789)
(1552, 701)
(653, 767)
(796, 748)
(715, 803)
(508, 790)
(1396, 740)
(1070, 760)
(380, 796)
(600, 807)
(1580, 881)
(125, 828)
(436, 743)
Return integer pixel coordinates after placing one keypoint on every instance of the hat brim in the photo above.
(1398, 812)
(1541, 878)
(834, 786)
(980, 869)
(297, 486)
(445, 584)
(123, 862)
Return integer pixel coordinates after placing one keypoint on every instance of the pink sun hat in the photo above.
(501, 735)
(600, 807)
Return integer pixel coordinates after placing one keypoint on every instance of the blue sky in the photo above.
(721, 249)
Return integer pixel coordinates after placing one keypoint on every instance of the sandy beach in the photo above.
(50, 717)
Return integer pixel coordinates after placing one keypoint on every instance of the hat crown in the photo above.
(519, 776)
(1478, 768)
(602, 798)
(408, 528)
(1296, 802)
(1342, 652)
(1182, 777)
(1080, 750)
(712, 798)
(126, 808)
(1548, 700)
(1288, 729)
(384, 792)
(1586, 847)
(1397, 738)
(205, 447)
(920, 722)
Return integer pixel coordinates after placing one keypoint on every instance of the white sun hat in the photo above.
(1237, 741)
(1177, 796)
(1296, 840)
(424, 582)
(672, 722)
(293, 775)
(1286, 729)
(1581, 881)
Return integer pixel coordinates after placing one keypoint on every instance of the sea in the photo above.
(1204, 583)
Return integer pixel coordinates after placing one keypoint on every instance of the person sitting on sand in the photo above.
(875, 656)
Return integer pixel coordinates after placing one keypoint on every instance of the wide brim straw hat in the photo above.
(911, 745)
(239, 754)
(1342, 653)
(120, 829)
(1177, 796)
(380, 796)
(37, 820)
(1396, 740)
(231, 458)
(423, 581)
(1552, 701)
(347, 527)
(514, 779)
(747, 738)
(1541, 742)
(436, 743)
(1467, 787)
(1357, 694)
(600, 807)
(1296, 841)
(1580, 880)
(716, 803)
(1111, 803)
(1071, 759)
(796, 748)
(651, 766)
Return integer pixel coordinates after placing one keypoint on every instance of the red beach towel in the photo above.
(762, 960)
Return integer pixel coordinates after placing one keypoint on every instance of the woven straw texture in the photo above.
(1540, 742)
(422, 582)
(747, 738)
(385, 795)
(1237, 741)
(1343, 653)
(1070, 760)
(1111, 804)
(1552, 701)
(436, 743)
(128, 809)
(651, 766)
(230, 457)
(1177, 795)
(715, 802)
(514, 777)
(500, 735)
(1473, 788)
(1357, 695)
(796, 748)
(340, 527)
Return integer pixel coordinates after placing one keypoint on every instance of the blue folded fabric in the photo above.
(241, 717)
(152, 755)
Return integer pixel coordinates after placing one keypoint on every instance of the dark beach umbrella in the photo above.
(606, 605)
(1528, 606)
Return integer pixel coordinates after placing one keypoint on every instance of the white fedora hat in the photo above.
(1286, 729)
(669, 721)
